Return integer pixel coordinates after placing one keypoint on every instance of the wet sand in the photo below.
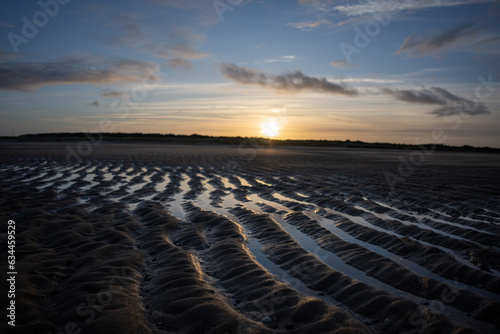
(145, 238)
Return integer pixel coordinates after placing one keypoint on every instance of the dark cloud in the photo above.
(29, 76)
(412, 96)
(417, 46)
(449, 104)
(466, 108)
(95, 103)
(291, 82)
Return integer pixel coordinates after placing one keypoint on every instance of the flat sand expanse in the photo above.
(136, 238)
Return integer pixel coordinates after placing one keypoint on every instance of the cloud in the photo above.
(309, 2)
(95, 103)
(352, 20)
(177, 46)
(449, 104)
(76, 70)
(468, 108)
(202, 10)
(342, 64)
(5, 56)
(121, 28)
(291, 82)
(129, 34)
(418, 46)
(369, 80)
(177, 56)
(282, 59)
(487, 41)
(465, 35)
(7, 25)
(180, 63)
(422, 72)
(308, 26)
(180, 49)
(378, 6)
(114, 94)
(169, 51)
(412, 96)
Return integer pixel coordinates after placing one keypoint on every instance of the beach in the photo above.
(155, 238)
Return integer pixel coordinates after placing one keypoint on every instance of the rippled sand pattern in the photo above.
(184, 239)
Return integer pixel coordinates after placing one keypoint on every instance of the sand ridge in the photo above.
(142, 238)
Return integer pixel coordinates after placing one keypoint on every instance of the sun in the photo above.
(271, 128)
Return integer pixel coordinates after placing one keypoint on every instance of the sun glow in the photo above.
(271, 128)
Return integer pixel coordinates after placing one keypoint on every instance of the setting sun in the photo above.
(271, 127)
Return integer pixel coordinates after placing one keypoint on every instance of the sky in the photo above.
(378, 71)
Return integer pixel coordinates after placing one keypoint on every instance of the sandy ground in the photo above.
(136, 238)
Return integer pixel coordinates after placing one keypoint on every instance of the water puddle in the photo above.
(227, 184)
(263, 183)
(68, 182)
(89, 178)
(175, 205)
(422, 226)
(161, 186)
(336, 263)
(461, 226)
(36, 177)
(133, 188)
(256, 198)
(50, 181)
(412, 266)
(243, 181)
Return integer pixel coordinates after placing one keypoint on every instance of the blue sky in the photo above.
(392, 71)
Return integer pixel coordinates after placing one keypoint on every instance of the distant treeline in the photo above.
(207, 140)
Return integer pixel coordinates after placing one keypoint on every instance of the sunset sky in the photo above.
(392, 71)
